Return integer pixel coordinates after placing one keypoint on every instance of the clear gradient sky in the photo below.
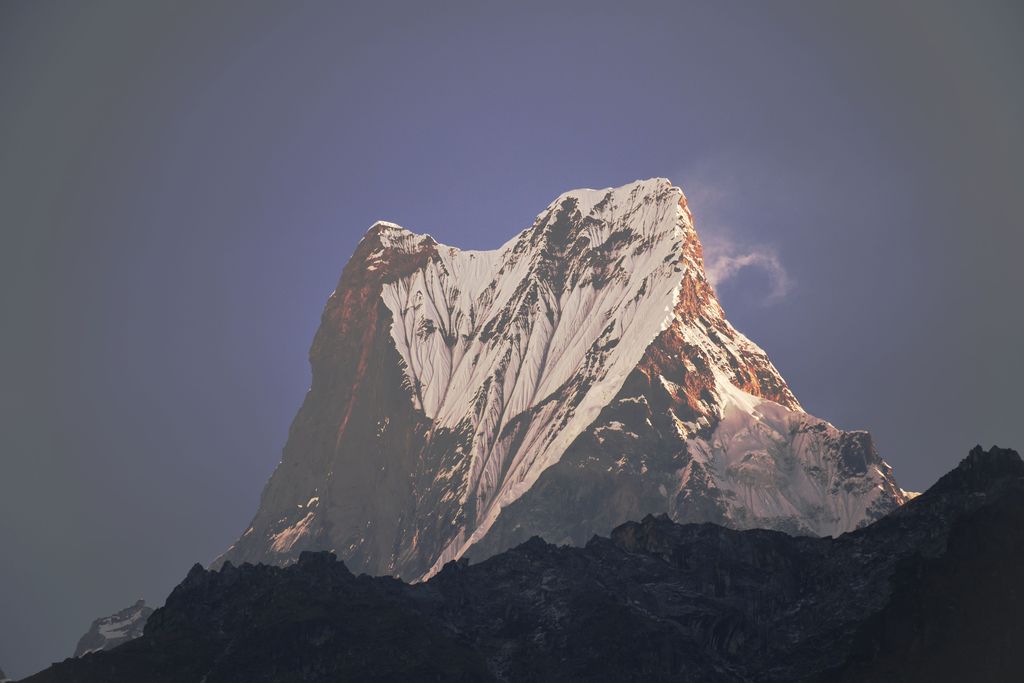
(182, 182)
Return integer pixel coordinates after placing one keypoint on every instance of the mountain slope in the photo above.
(928, 593)
(120, 627)
(581, 375)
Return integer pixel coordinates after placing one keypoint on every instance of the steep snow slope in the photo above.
(581, 375)
(488, 338)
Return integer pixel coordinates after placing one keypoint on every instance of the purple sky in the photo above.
(181, 184)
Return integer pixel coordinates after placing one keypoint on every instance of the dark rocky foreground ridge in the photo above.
(931, 592)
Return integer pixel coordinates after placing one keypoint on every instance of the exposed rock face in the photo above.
(120, 627)
(579, 376)
(928, 593)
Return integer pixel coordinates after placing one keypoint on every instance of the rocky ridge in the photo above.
(930, 592)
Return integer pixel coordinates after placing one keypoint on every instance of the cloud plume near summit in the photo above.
(726, 253)
(724, 258)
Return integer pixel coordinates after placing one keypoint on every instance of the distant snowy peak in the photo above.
(120, 627)
(578, 376)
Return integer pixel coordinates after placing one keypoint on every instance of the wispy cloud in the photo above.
(724, 259)
(727, 252)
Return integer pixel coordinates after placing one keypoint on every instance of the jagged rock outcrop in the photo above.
(581, 375)
(928, 593)
(120, 627)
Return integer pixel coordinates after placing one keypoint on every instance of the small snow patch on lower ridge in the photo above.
(285, 540)
(120, 627)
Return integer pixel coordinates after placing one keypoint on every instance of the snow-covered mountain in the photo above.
(120, 627)
(579, 376)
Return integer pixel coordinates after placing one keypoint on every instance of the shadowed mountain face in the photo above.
(929, 592)
(579, 376)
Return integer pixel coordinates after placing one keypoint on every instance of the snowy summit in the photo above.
(579, 376)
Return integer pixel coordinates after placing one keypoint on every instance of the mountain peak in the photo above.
(587, 201)
(384, 235)
(587, 198)
(580, 375)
